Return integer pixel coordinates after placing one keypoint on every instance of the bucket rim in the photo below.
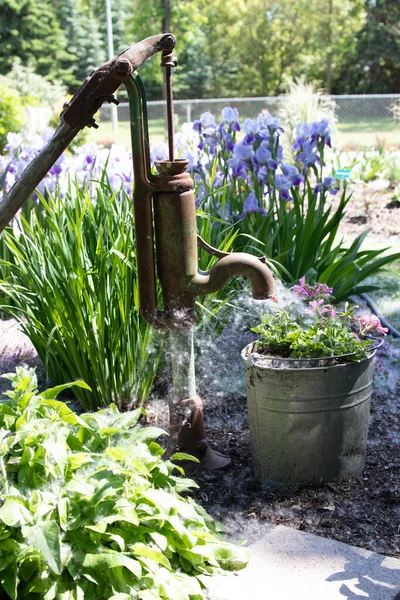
(248, 352)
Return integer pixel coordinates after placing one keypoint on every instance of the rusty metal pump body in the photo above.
(165, 228)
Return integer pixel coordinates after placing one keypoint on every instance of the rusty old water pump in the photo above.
(165, 230)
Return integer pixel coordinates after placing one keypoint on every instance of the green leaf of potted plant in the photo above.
(309, 382)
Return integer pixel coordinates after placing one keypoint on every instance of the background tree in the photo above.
(85, 41)
(374, 67)
(31, 31)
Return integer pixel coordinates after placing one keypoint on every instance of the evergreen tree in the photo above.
(31, 31)
(375, 68)
(81, 28)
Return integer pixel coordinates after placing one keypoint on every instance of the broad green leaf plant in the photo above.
(88, 508)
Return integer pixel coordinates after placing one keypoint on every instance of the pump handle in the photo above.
(100, 86)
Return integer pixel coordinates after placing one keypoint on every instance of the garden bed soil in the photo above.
(372, 207)
(363, 511)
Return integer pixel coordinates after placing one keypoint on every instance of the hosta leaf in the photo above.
(9, 580)
(128, 419)
(184, 456)
(46, 538)
(68, 514)
(148, 595)
(160, 540)
(14, 514)
(147, 433)
(229, 557)
(77, 460)
(110, 560)
(146, 552)
(52, 393)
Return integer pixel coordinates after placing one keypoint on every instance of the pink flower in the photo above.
(318, 290)
(274, 298)
(315, 306)
(371, 323)
(328, 308)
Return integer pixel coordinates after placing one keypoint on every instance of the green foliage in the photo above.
(90, 510)
(32, 88)
(375, 65)
(85, 41)
(11, 113)
(286, 335)
(73, 285)
(300, 239)
(30, 30)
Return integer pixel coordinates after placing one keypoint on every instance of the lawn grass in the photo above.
(106, 136)
(368, 133)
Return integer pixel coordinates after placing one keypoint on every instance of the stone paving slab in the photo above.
(287, 564)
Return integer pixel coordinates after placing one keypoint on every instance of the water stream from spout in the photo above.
(182, 360)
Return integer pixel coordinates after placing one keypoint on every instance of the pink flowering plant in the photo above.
(320, 330)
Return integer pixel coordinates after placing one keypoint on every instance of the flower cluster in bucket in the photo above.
(320, 330)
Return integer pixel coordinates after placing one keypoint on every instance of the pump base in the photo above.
(191, 437)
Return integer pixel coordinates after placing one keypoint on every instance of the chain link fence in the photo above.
(375, 115)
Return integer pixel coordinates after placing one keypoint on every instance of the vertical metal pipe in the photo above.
(170, 112)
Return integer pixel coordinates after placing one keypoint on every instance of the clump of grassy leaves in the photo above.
(90, 510)
(72, 284)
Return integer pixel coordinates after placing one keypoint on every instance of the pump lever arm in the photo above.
(78, 113)
(100, 86)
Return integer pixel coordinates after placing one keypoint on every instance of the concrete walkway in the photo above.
(287, 564)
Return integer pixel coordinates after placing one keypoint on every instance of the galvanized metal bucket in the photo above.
(306, 422)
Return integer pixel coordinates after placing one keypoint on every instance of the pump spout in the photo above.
(237, 263)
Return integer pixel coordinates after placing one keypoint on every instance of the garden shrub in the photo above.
(11, 113)
(90, 510)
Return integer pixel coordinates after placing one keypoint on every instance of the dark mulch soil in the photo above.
(363, 511)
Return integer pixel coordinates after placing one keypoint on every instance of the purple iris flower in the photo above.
(308, 155)
(303, 130)
(158, 152)
(249, 139)
(327, 185)
(200, 194)
(218, 180)
(267, 121)
(272, 164)
(224, 211)
(243, 151)
(263, 154)
(292, 173)
(193, 158)
(262, 175)
(239, 167)
(206, 121)
(283, 184)
(251, 205)
(321, 128)
(250, 126)
(231, 117)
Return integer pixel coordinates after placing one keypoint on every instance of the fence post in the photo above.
(188, 112)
